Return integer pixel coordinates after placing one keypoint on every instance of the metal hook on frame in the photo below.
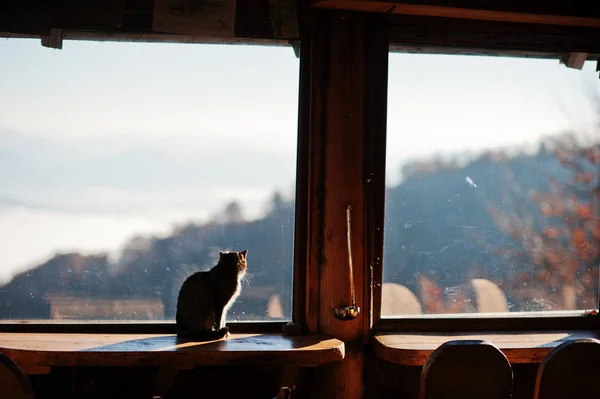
(352, 311)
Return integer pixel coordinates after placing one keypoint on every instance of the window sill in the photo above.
(413, 349)
(37, 353)
(125, 326)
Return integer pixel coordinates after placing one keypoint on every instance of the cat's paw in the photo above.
(225, 332)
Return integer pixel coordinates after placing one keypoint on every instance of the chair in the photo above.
(14, 384)
(571, 370)
(284, 393)
(466, 369)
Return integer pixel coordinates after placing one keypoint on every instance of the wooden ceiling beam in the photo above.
(120, 20)
(458, 36)
(426, 10)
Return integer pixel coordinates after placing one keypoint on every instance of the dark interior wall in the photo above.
(132, 383)
(383, 380)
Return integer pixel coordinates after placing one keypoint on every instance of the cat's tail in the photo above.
(204, 335)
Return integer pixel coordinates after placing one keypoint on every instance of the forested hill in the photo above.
(438, 223)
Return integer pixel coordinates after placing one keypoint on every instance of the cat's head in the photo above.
(235, 258)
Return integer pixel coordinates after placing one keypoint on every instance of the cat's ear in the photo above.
(244, 253)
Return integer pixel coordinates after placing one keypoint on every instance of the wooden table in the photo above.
(413, 349)
(114, 350)
(38, 353)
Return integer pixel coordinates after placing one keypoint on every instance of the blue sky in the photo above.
(102, 140)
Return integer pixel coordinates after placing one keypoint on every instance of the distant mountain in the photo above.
(156, 267)
(438, 221)
(437, 224)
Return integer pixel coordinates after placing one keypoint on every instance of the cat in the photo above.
(206, 296)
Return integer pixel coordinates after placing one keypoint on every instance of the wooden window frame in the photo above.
(301, 217)
(542, 44)
(404, 33)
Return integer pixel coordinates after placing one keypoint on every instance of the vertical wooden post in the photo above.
(342, 48)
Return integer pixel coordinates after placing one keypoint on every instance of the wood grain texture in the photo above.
(391, 7)
(336, 123)
(520, 347)
(342, 178)
(343, 48)
(570, 371)
(109, 350)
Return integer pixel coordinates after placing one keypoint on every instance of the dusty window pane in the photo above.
(125, 167)
(493, 185)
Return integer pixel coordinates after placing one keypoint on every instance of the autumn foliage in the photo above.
(559, 245)
(434, 299)
(551, 256)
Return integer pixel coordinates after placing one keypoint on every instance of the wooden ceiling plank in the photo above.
(284, 19)
(454, 12)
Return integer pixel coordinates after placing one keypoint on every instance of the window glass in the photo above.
(492, 186)
(125, 167)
